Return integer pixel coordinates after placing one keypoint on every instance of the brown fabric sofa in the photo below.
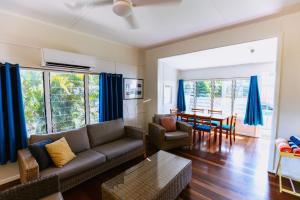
(98, 147)
(163, 140)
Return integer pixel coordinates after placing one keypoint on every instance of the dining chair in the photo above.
(174, 111)
(190, 119)
(220, 112)
(204, 126)
(215, 111)
(198, 110)
(230, 128)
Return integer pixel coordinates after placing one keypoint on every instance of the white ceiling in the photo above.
(158, 24)
(262, 51)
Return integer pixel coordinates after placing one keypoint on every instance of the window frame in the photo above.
(47, 100)
(212, 92)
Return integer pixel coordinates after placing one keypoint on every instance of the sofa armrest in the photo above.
(28, 166)
(134, 132)
(185, 127)
(156, 134)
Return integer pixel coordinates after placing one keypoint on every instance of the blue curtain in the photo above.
(13, 134)
(180, 98)
(110, 97)
(254, 111)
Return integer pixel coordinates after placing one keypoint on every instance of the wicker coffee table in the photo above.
(162, 176)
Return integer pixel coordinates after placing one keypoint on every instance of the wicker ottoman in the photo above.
(162, 176)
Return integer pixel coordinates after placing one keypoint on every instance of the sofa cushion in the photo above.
(157, 117)
(105, 132)
(119, 147)
(77, 139)
(40, 153)
(60, 152)
(176, 135)
(83, 162)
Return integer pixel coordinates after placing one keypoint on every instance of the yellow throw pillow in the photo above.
(60, 152)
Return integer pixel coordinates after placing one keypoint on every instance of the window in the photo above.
(33, 99)
(203, 94)
(189, 94)
(67, 100)
(94, 98)
(223, 96)
(59, 101)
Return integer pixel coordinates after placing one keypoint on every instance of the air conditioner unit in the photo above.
(67, 60)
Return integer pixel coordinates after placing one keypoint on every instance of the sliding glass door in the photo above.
(230, 96)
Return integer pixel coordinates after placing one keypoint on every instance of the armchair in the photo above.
(47, 188)
(163, 140)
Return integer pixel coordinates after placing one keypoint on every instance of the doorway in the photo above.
(219, 79)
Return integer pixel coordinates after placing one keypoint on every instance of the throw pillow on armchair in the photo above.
(169, 123)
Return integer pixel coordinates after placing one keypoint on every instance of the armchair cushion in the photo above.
(176, 135)
(157, 117)
(169, 123)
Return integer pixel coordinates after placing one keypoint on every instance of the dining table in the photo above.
(205, 115)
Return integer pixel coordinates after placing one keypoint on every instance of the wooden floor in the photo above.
(237, 172)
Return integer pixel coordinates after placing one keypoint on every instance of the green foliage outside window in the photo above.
(94, 98)
(67, 100)
(33, 99)
(203, 88)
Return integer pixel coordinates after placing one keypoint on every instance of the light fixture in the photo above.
(122, 8)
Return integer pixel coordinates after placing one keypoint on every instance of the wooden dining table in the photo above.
(206, 115)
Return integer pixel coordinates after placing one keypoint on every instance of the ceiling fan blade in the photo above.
(131, 21)
(154, 2)
(75, 5)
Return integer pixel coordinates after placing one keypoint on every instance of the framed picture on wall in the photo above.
(133, 88)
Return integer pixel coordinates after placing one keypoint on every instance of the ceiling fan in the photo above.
(122, 8)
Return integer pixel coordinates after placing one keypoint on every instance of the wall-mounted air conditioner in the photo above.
(57, 59)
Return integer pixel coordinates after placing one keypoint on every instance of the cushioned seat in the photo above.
(204, 127)
(227, 127)
(83, 161)
(119, 147)
(176, 135)
(191, 123)
(215, 123)
(179, 119)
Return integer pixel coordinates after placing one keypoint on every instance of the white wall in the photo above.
(286, 28)
(21, 40)
(167, 76)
